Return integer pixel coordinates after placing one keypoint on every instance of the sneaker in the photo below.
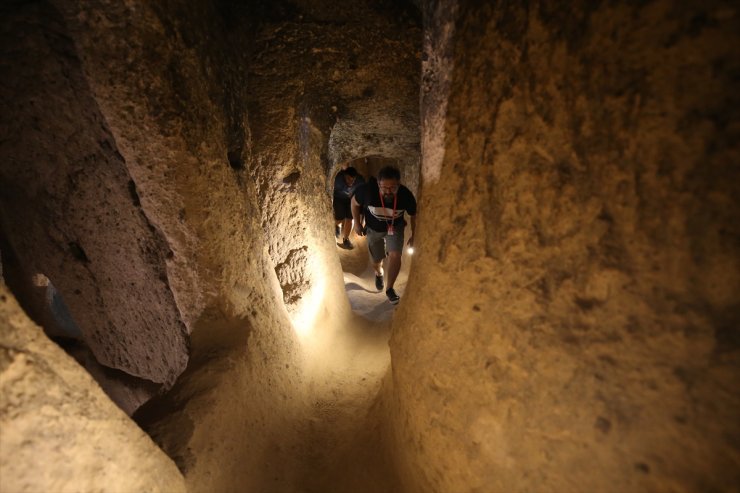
(346, 244)
(392, 296)
(378, 282)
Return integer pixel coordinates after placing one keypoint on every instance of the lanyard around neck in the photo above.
(382, 203)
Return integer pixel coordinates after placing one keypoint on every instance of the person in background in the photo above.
(345, 184)
(383, 203)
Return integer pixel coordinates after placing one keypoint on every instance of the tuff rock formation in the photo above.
(572, 324)
(570, 318)
(58, 430)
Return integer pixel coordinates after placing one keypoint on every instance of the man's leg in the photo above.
(338, 215)
(346, 228)
(376, 245)
(378, 267)
(394, 266)
(394, 245)
(343, 215)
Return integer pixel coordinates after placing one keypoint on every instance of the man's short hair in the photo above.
(389, 173)
(351, 172)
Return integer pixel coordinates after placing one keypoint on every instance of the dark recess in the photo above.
(235, 160)
(77, 252)
(134, 194)
(292, 178)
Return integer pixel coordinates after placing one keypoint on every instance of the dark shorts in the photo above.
(342, 209)
(379, 242)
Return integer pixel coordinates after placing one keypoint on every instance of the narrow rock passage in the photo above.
(346, 370)
(573, 312)
(341, 438)
(242, 418)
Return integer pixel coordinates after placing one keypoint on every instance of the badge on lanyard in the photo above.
(391, 230)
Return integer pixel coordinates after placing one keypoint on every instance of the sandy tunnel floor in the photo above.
(346, 367)
(359, 282)
(233, 423)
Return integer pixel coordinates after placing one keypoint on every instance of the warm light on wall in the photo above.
(304, 317)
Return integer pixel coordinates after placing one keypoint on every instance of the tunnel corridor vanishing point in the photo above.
(175, 314)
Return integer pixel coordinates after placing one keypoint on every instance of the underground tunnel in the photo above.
(176, 313)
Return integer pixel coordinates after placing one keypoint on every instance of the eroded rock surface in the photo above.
(572, 324)
(293, 284)
(70, 209)
(54, 416)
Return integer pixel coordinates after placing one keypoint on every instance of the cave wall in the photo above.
(60, 432)
(572, 324)
(169, 85)
(125, 178)
(70, 209)
(165, 83)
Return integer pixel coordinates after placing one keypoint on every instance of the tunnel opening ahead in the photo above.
(366, 282)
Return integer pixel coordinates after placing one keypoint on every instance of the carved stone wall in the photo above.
(571, 320)
(54, 416)
(71, 210)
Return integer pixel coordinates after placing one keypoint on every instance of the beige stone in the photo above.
(570, 329)
(570, 318)
(58, 430)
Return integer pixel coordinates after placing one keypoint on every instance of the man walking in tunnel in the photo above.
(345, 184)
(383, 203)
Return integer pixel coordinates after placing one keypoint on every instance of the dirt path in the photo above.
(253, 415)
(344, 428)
(359, 283)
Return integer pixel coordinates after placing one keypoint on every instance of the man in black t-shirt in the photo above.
(345, 184)
(383, 203)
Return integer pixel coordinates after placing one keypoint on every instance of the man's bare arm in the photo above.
(413, 229)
